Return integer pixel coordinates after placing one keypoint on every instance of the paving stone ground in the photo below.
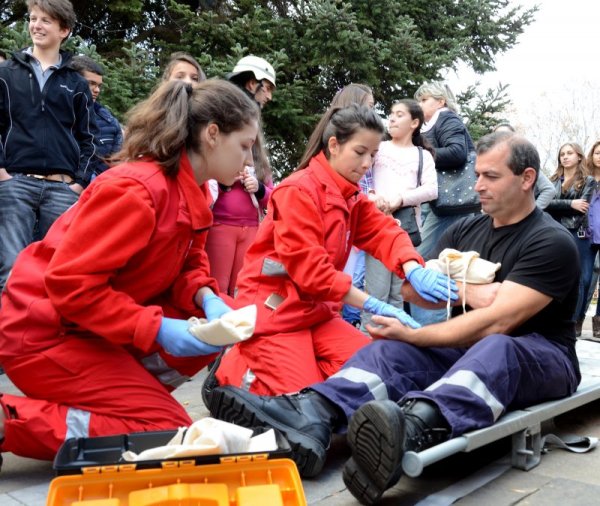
(561, 479)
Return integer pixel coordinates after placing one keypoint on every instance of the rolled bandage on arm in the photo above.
(466, 267)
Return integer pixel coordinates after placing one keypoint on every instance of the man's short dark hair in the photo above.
(83, 63)
(523, 153)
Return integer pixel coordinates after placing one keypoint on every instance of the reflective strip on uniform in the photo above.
(374, 383)
(273, 268)
(168, 376)
(247, 380)
(470, 381)
(78, 423)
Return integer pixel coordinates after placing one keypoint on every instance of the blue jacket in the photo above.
(49, 131)
(110, 137)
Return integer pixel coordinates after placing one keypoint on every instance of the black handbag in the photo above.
(456, 190)
(408, 215)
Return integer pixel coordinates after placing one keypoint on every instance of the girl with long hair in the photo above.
(404, 176)
(93, 327)
(574, 189)
(293, 270)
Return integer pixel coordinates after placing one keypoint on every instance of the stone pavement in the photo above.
(561, 479)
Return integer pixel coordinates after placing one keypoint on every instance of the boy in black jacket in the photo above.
(47, 129)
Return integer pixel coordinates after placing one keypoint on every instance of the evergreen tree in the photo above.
(316, 47)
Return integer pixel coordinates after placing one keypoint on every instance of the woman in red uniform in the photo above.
(293, 271)
(92, 326)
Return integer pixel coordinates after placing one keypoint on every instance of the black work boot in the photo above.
(379, 433)
(211, 382)
(306, 419)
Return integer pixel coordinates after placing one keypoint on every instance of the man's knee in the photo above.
(381, 353)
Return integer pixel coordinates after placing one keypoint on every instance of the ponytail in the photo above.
(341, 123)
(173, 116)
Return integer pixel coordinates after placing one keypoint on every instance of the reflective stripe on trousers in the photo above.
(247, 380)
(470, 381)
(78, 423)
(373, 382)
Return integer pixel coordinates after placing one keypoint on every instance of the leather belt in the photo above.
(58, 178)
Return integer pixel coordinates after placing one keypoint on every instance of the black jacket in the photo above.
(451, 141)
(560, 207)
(48, 131)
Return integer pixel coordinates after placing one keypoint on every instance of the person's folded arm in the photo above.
(513, 305)
(475, 296)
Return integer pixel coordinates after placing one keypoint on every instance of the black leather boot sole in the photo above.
(307, 452)
(376, 437)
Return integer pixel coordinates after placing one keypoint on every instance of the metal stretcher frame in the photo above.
(523, 425)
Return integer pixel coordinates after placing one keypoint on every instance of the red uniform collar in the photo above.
(197, 197)
(347, 188)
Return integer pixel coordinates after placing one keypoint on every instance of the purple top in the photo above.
(235, 207)
(594, 217)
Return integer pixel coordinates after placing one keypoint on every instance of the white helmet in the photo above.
(260, 67)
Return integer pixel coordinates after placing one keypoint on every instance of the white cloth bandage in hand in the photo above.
(231, 328)
(208, 437)
(466, 267)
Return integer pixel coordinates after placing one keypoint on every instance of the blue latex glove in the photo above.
(432, 285)
(214, 307)
(378, 307)
(174, 337)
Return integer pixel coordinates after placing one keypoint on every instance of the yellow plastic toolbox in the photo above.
(95, 477)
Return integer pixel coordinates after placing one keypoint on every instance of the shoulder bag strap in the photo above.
(420, 170)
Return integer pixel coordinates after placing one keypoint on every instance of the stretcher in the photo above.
(523, 425)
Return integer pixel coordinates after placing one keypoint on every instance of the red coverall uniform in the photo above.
(296, 263)
(82, 308)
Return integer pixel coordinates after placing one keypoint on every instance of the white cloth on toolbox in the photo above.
(208, 437)
(231, 328)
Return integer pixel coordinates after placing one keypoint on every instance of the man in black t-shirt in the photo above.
(413, 388)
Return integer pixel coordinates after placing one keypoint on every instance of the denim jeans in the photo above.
(350, 313)
(586, 259)
(381, 284)
(594, 283)
(28, 207)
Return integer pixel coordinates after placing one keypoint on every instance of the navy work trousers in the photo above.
(471, 386)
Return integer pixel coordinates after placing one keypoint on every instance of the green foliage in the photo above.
(316, 47)
(481, 110)
(15, 38)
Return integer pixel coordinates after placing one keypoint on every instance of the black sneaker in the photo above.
(379, 433)
(306, 420)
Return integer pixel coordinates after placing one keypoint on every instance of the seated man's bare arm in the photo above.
(513, 305)
(476, 296)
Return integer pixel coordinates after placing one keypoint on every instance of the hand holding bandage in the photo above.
(432, 285)
(466, 267)
(198, 336)
(232, 327)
